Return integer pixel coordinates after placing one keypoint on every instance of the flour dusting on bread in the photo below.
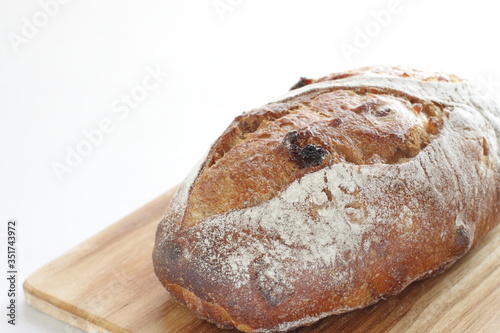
(305, 241)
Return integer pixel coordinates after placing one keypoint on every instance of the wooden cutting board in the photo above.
(107, 284)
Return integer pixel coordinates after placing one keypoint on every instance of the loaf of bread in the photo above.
(340, 193)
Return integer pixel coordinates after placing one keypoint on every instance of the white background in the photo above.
(73, 71)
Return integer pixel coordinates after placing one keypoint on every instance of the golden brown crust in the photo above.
(362, 126)
(393, 71)
(335, 196)
(383, 71)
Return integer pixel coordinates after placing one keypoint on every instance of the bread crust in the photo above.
(340, 193)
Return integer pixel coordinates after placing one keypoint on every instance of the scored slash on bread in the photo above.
(338, 194)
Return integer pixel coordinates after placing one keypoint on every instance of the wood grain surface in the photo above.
(107, 284)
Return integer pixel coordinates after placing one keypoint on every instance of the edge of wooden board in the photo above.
(59, 313)
(79, 317)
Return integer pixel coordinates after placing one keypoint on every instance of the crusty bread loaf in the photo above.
(340, 193)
